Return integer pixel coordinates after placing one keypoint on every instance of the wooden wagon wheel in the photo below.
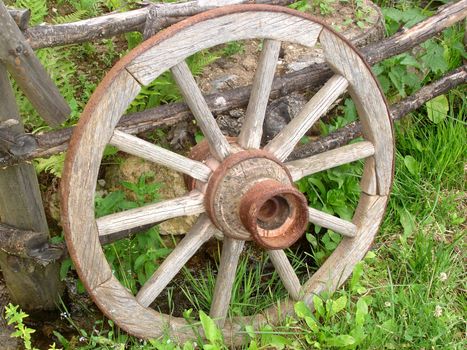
(245, 191)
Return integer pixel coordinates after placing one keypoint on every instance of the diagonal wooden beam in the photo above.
(29, 73)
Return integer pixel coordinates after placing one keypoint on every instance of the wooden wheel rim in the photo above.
(141, 66)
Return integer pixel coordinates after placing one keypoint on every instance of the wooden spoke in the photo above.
(344, 227)
(140, 148)
(191, 204)
(188, 246)
(285, 141)
(286, 272)
(252, 130)
(330, 159)
(192, 95)
(231, 250)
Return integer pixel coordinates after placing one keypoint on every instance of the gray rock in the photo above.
(223, 82)
(280, 112)
(231, 123)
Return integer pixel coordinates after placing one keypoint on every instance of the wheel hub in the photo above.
(251, 195)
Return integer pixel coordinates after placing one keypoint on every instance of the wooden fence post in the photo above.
(34, 287)
(29, 73)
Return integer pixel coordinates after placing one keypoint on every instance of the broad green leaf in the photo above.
(319, 305)
(335, 306)
(437, 109)
(434, 57)
(210, 328)
(279, 341)
(369, 256)
(312, 324)
(253, 345)
(409, 60)
(407, 221)
(312, 239)
(362, 311)
(389, 326)
(319, 184)
(341, 340)
(356, 275)
(302, 310)
(411, 164)
(188, 346)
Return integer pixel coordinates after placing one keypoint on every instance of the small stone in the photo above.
(249, 63)
(280, 112)
(220, 101)
(223, 82)
(443, 276)
(438, 311)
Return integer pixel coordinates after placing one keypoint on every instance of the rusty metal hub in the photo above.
(251, 195)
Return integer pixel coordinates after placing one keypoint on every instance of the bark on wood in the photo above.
(29, 73)
(21, 17)
(117, 23)
(29, 244)
(33, 286)
(307, 78)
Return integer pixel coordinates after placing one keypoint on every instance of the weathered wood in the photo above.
(190, 204)
(28, 72)
(330, 159)
(369, 183)
(146, 150)
(95, 129)
(286, 273)
(185, 249)
(231, 250)
(218, 145)
(369, 101)
(344, 227)
(284, 142)
(154, 22)
(21, 17)
(30, 285)
(81, 171)
(107, 26)
(28, 245)
(252, 129)
(16, 143)
(338, 267)
(26, 210)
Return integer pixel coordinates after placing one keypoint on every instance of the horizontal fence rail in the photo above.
(47, 144)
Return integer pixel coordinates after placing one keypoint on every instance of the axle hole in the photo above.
(273, 213)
